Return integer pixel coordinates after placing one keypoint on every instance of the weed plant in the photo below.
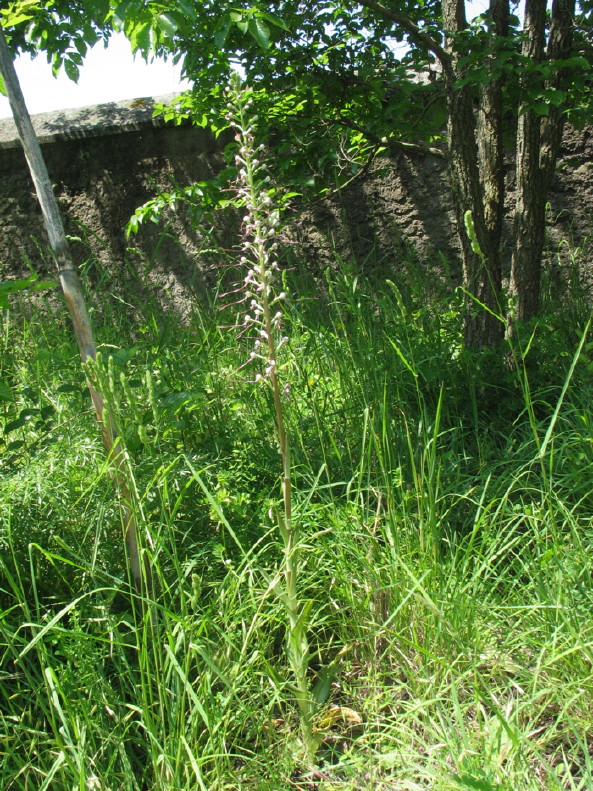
(447, 558)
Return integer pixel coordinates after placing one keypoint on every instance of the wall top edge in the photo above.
(99, 120)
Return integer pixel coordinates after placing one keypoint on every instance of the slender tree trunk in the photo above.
(538, 143)
(481, 274)
(469, 163)
(490, 143)
(530, 202)
(559, 48)
(73, 295)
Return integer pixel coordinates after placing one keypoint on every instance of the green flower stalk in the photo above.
(263, 320)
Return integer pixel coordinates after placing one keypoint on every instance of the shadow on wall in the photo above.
(107, 160)
(100, 179)
(390, 218)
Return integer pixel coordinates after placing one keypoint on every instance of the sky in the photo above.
(107, 75)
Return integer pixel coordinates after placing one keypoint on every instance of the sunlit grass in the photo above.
(447, 560)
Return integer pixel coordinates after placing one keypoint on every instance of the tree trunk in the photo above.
(481, 273)
(538, 144)
(475, 155)
(469, 163)
(490, 145)
(74, 297)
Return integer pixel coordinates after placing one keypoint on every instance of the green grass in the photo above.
(448, 560)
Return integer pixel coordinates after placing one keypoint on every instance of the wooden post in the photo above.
(74, 297)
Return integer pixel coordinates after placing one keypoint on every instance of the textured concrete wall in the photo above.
(104, 162)
(107, 160)
(401, 214)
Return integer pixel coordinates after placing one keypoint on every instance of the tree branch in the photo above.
(417, 35)
(392, 143)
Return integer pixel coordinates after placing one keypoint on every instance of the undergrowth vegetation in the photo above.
(444, 507)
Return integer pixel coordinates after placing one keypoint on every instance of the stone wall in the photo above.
(104, 162)
(107, 160)
(401, 214)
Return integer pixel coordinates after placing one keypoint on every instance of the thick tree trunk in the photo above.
(538, 144)
(476, 170)
(559, 48)
(481, 274)
(468, 164)
(73, 295)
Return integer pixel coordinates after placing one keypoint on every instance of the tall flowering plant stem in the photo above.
(262, 320)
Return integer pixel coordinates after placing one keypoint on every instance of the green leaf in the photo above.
(402, 357)
(541, 108)
(221, 35)
(67, 388)
(20, 12)
(577, 118)
(2, 88)
(90, 37)
(167, 24)
(323, 685)
(6, 393)
(49, 625)
(100, 9)
(578, 62)
(550, 430)
(260, 32)
(174, 402)
(476, 783)
(71, 70)
(14, 424)
(274, 20)
(122, 356)
(29, 284)
(140, 37)
(187, 9)
(120, 12)
(81, 47)
(41, 285)
(133, 225)
(303, 619)
(554, 96)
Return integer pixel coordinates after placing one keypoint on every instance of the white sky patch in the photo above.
(107, 75)
(476, 8)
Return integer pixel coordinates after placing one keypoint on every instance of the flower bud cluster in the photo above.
(260, 226)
